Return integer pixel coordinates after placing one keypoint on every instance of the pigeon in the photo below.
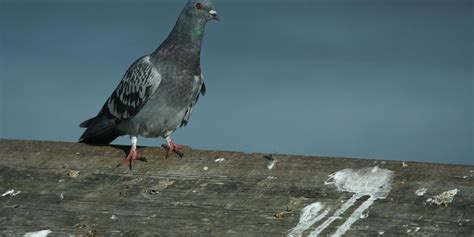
(158, 91)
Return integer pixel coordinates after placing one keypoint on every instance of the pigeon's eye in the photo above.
(199, 6)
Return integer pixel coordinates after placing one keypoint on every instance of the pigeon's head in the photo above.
(202, 9)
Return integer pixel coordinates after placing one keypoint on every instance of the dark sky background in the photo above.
(369, 79)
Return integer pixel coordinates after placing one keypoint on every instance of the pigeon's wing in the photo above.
(203, 89)
(189, 110)
(139, 83)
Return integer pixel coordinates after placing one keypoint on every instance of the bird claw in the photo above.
(180, 154)
(132, 155)
(174, 148)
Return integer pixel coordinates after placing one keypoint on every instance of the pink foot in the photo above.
(173, 147)
(132, 155)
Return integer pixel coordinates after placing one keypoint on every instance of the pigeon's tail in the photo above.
(87, 123)
(100, 130)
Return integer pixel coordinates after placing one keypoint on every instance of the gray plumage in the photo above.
(158, 91)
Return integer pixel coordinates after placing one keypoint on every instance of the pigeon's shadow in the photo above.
(125, 149)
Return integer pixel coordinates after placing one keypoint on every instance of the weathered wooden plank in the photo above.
(203, 195)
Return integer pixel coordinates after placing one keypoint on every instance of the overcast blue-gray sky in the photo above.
(375, 79)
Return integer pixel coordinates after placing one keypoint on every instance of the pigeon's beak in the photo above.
(214, 15)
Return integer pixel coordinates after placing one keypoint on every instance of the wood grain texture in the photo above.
(197, 196)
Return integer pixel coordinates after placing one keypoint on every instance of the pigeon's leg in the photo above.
(133, 154)
(171, 146)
